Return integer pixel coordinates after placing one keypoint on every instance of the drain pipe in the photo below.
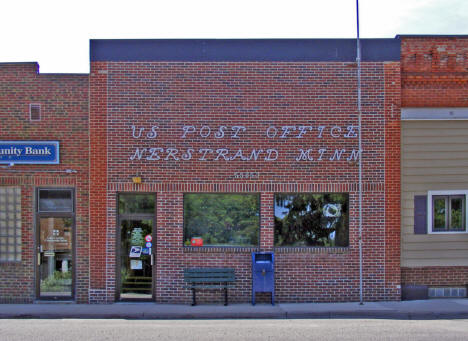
(358, 60)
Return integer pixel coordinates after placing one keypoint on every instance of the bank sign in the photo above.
(29, 152)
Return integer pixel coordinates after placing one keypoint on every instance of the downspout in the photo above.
(358, 60)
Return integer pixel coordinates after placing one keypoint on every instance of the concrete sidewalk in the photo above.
(426, 309)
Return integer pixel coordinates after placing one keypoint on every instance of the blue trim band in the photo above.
(243, 50)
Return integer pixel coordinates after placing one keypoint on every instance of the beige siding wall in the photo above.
(434, 157)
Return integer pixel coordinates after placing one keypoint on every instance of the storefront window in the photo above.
(221, 219)
(55, 200)
(311, 219)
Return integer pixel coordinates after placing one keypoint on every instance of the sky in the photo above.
(56, 33)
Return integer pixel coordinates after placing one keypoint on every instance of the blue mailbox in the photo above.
(263, 274)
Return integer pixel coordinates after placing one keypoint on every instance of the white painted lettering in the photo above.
(305, 155)
(188, 154)
(205, 131)
(135, 136)
(222, 152)
(239, 155)
(286, 131)
(255, 153)
(271, 132)
(220, 133)
(351, 131)
(138, 154)
(337, 155)
(332, 131)
(172, 152)
(154, 154)
(187, 130)
(272, 155)
(237, 130)
(204, 151)
(354, 155)
(153, 133)
(320, 129)
(321, 152)
(303, 130)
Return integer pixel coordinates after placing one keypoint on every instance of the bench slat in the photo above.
(207, 286)
(209, 280)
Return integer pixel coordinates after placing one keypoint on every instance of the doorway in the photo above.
(55, 226)
(136, 256)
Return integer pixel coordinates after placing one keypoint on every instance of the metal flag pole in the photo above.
(358, 60)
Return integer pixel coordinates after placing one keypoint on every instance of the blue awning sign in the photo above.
(29, 152)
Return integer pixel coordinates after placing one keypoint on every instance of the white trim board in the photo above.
(434, 114)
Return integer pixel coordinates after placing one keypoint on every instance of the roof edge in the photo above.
(243, 50)
(399, 36)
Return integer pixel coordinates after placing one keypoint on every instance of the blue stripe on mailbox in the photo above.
(29, 152)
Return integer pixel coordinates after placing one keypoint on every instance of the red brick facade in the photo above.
(64, 117)
(256, 96)
(435, 276)
(434, 73)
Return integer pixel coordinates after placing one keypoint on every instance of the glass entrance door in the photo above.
(55, 257)
(136, 259)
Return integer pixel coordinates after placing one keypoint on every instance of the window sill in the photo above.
(312, 249)
(218, 249)
(448, 232)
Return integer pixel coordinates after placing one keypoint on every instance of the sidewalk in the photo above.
(426, 309)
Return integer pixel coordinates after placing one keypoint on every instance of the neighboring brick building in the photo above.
(43, 107)
(242, 145)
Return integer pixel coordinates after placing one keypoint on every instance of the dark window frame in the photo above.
(133, 216)
(311, 246)
(55, 214)
(72, 198)
(448, 212)
(224, 246)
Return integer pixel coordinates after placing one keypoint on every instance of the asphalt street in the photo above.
(223, 330)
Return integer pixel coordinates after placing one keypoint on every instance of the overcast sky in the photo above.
(56, 33)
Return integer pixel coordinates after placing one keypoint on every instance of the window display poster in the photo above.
(136, 264)
(135, 252)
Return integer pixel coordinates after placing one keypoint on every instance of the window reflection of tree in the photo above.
(307, 219)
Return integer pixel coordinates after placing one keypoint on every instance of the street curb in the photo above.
(244, 315)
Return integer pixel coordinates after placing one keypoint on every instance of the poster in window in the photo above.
(136, 264)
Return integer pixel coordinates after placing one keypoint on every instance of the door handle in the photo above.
(38, 258)
(152, 259)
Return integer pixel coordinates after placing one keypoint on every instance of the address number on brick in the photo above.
(246, 175)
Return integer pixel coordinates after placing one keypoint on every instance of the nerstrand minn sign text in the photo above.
(319, 153)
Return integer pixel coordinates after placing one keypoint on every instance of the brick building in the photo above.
(175, 154)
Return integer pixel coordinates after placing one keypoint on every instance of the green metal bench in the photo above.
(209, 278)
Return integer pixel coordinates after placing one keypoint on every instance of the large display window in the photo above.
(221, 219)
(311, 219)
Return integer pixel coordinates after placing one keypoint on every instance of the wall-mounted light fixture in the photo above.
(136, 179)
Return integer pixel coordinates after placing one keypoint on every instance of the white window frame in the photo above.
(430, 194)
